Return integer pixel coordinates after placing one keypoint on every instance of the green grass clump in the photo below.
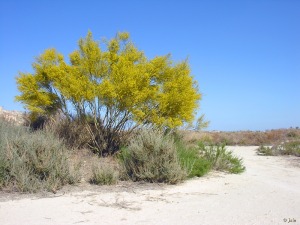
(221, 159)
(32, 161)
(190, 159)
(152, 156)
(104, 175)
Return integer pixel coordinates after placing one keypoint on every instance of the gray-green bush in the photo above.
(32, 161)
(152, 156)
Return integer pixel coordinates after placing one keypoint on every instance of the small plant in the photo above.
(151, 156)
(221, 159)
(104, 175)
(265, 150)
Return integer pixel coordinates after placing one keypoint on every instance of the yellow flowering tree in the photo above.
(118, 87)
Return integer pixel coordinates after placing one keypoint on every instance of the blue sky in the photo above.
(245, 55)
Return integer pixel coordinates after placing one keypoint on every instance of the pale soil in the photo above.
(267, 193)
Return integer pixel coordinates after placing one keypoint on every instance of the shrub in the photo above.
(292, 148)
(151, 156)
(104, 174)
(33, 161)
(221, 159)
(192, 162)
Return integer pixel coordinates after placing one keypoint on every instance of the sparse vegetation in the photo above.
(270, 137)
(285, 148)
(33, 161)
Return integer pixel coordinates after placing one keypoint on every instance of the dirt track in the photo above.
(267, 193)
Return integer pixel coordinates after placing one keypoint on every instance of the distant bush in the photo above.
(152, 156)
(270, 137)
(285, 148)
(266, 150)
(221, 159)
(33, 161)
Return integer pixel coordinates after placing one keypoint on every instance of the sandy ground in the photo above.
(267, 193)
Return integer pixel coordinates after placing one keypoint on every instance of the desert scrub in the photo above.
(104, 174)
(266, 150)
(152, 156)
(191, 161)
(221, 159)
(285, 148)
(33, 161)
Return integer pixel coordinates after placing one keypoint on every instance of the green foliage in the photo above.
(190, 159)
(104, 175)
(32, 161)
(118, 87)
(151, 156)
(221, 159)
